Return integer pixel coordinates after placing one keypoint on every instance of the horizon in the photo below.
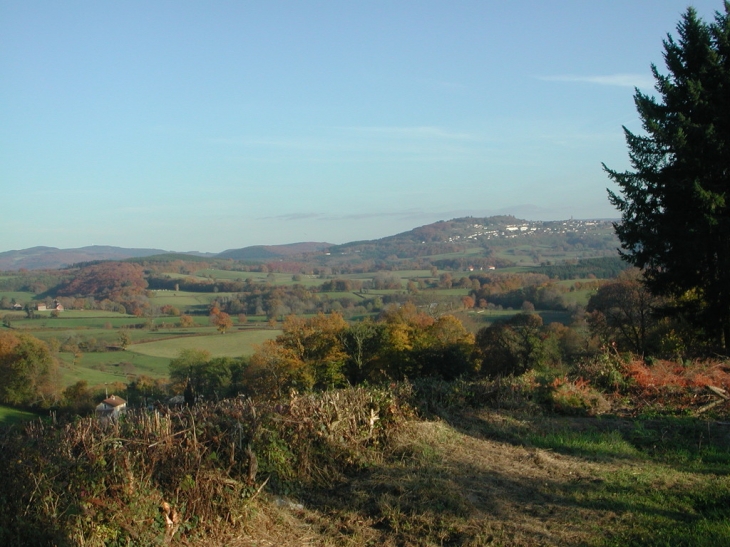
(228, 125)
(290, 243)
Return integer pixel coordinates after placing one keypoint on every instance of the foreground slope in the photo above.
(358, 467)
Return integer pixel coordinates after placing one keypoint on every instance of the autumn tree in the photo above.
(187, 321)
(111, 280)
(316, 341)
(445, 349)
(222, 322)
(78, 398)
(274, 370)
(184, 366)
(309, 354)
(27, 370)
(124, 339)
(675, 202)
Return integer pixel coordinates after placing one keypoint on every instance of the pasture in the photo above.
(21, 297)
(187, 301)
(107, 367)
(231, 344)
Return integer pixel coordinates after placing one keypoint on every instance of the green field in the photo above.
(13, 415)
(184, 300)
(22, 297)
(231, 344)
(107, 367)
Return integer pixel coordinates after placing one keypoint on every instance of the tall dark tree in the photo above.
(675, 203)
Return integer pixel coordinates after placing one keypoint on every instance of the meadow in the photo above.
(231, 344)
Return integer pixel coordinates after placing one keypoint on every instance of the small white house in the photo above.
(111, 407)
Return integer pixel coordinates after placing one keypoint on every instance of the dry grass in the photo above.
(447, 488)
(357, 467)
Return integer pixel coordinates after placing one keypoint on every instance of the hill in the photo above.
(38, 258)
(483, 236)
(269, 252)
(459, 242)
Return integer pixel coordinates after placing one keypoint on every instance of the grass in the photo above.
(495, 478)
(231, 344)
(10, 416)
(22, 297)
(186, 300)
(107, 367)
(358, 467)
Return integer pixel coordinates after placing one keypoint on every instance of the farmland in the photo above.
(87, 341)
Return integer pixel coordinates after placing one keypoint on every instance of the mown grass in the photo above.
(184, 300)
(231, 344)
(98, 368)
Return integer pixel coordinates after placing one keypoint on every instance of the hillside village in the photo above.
(531, 228)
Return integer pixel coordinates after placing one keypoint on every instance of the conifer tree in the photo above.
(675, 203)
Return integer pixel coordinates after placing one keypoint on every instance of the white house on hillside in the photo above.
(111, 407)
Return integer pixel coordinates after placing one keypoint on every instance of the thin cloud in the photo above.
(621, 80)
(292, 216)
(417, 132)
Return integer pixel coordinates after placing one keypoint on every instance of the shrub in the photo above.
(577, 397)
(150, 476)
(605, 371)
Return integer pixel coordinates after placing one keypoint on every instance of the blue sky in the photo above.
(190, 125)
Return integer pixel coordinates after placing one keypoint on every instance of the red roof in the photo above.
(114, 401)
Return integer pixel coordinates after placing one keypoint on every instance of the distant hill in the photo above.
(481, 242)
(270, 252)
(487, 233)
(37, 258)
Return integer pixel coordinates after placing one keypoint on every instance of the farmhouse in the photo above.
(44, 307)
(111, 407)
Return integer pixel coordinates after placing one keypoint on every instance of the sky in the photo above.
(189, 125)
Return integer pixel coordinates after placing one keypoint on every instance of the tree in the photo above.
(513, 346)
(222, 321)
(27, 370)
(675, 203)
(362, 342)
(195, 373)
(624, 312)
(124, 339)
(185, 366)
(186, 321)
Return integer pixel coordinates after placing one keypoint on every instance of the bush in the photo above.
(577, 397)
(149, 477)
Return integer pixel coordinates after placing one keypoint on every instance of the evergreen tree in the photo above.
(675, 216)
